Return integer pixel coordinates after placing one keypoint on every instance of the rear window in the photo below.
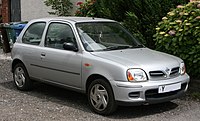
(33, 34)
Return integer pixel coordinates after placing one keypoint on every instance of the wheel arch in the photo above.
(15, 62)
(93, 77)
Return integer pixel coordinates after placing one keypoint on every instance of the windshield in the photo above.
(104, 36)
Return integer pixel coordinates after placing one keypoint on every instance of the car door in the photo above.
(61, 66)
(30, 48)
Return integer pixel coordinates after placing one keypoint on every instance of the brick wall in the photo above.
(5, 11)
(0, 6)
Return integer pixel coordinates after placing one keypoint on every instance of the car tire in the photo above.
(101, 97)
(21, 78)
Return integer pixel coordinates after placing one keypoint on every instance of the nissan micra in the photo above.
(98, 57)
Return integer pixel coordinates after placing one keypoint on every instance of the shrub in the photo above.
(133, 23)
(60, 7)
(179, 34)
(87, 9)
(149, 13)
(138, 16)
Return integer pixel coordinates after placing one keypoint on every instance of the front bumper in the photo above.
(128, 93)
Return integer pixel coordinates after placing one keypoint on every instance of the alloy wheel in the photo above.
(99, 97)
(19, 76)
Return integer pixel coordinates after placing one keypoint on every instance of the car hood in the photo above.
(140, 58)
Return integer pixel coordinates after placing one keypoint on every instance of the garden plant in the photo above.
(179, 34)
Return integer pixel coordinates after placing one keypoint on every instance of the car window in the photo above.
(106, 36)
(57, 34)
(33, 34)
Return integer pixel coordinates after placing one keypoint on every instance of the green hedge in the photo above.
(139, 16)
(179, 34)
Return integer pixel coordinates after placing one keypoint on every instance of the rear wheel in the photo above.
(101, 98)
(21, 77)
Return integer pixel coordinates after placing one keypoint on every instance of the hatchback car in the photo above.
(98, 57)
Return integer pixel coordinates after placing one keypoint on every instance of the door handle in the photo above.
(42, 55)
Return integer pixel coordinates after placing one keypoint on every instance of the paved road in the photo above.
(48, 103)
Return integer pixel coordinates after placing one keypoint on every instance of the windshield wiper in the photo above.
(117, 47)
(123, 47)
(138, 46)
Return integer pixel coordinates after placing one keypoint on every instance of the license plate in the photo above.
(169, 88)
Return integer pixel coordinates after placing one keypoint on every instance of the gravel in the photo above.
(49, 103)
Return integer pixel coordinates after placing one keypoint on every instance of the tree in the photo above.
(60, 7)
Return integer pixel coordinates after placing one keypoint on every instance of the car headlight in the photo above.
(182, 69)
(136, 75)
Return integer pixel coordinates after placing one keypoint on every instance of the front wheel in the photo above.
(21, 77)
(101, 98)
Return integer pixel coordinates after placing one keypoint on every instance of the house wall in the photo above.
(32, 9)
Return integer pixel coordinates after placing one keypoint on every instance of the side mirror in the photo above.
(70, 46)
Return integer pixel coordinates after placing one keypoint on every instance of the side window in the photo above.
(33, 34)
(57, 34)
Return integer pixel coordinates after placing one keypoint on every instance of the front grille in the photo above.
(153, 93)
(163, 74)
(156, 74)
(174, 71)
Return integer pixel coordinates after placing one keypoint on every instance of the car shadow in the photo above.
(143, 110)
(79, 101)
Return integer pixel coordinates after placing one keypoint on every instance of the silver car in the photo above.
(98, 57)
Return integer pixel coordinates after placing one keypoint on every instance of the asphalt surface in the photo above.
(49, 103)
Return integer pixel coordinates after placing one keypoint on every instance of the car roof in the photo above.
(75, 19)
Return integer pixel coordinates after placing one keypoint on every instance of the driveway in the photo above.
(49, 103)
